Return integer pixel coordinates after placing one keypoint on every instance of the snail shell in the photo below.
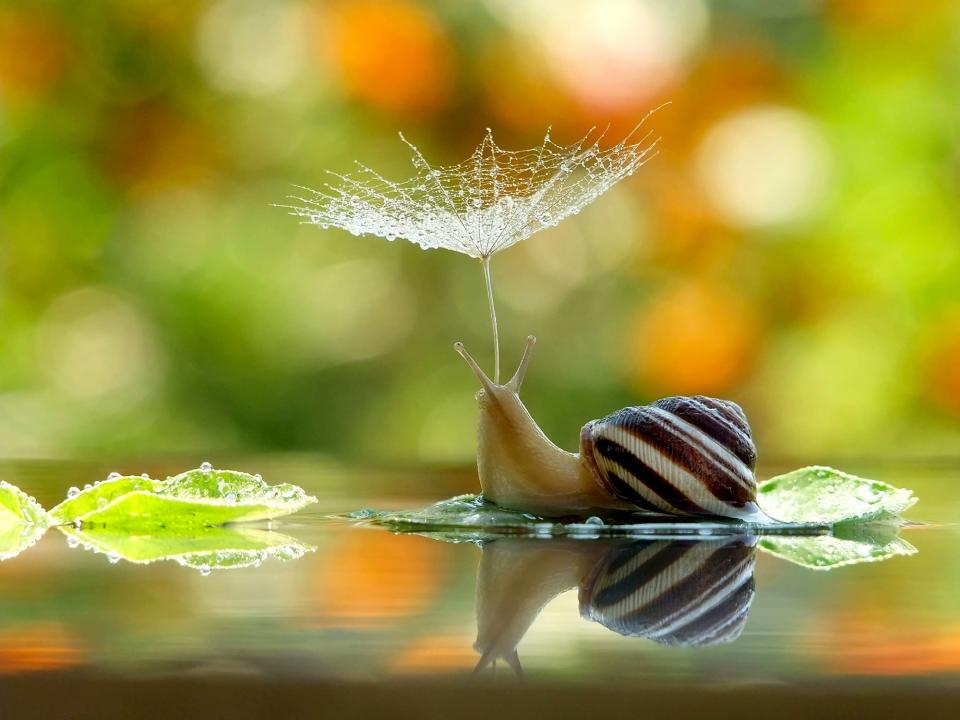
(681, 593)
(679, 455)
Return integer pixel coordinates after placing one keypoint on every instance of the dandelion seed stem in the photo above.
(485, 261)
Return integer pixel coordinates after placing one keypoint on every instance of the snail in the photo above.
(681, 593)
(688, 456)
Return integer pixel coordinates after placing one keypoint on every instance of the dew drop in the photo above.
(593, 520)
(205, 466)
(114, 476)
(73, 492)
(868, 494)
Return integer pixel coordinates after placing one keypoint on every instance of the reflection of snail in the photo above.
(679, 455)
(674, 592)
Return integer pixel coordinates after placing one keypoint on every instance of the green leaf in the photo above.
(98, 496)
(22, 521)
(823, 495)
(196, 498)
(205, 549)
(18, 508)
(826, 552)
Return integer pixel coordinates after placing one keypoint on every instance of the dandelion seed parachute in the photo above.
(482, 205)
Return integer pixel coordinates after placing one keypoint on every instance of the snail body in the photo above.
(690, 456)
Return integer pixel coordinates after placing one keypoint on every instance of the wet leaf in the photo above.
(470, 518)
(822, 494)
(196, 498)
(22, 521)
(16, 507)
(827, 552)
(205, 549)
(98, 496)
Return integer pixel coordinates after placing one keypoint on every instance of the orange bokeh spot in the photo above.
(374, 578)
(42, 646)
(436, 652)
(391, 54)
(693, 339)
(889, 15)
(944, 372)
(151, 148)
(688, 232)
(877, 647)
(33, 53)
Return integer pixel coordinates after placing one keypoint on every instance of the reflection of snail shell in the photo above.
(689, 593)
(679, 455)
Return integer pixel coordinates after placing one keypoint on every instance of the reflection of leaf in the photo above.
(22, 521)
(17, 537)
(196, 498)
(821, 494)
(826, 552)
(212, 548)
(18, 507)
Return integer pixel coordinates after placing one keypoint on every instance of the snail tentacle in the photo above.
(517, 380)
(473, 365)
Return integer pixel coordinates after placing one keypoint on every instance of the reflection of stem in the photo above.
(485, 260)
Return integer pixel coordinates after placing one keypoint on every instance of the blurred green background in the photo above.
(795, 246)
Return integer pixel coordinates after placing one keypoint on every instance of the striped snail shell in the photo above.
(688, 456)
(681, 593)
(679, 455)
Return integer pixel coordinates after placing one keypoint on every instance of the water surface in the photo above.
(371, 607)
